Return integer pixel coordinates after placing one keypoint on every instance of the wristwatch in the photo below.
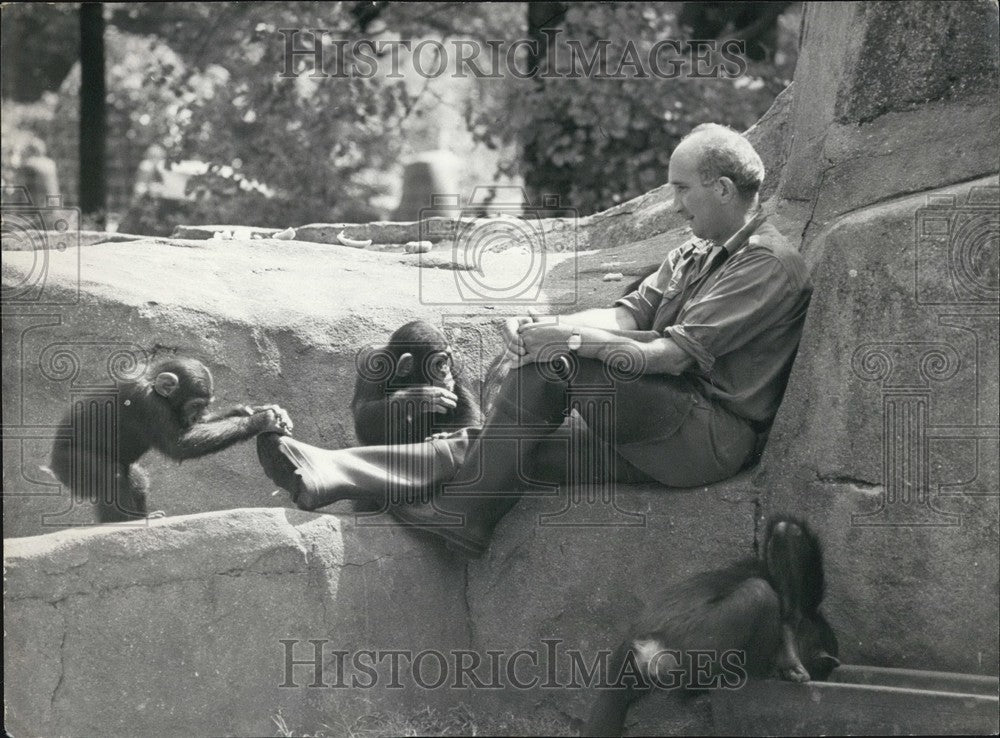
(574, 342)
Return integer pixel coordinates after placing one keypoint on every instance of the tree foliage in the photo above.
(598, 141)
(202, 81)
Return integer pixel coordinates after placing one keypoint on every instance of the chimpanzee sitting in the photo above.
(408, 390)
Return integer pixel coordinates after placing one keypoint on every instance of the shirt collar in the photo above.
(736, 241)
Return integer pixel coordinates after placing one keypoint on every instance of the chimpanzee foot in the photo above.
(793, 672)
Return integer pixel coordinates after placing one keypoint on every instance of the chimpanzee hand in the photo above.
(283, 415)
(437, 399)
(273, 419)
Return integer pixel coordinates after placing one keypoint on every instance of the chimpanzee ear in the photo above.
(166, 383)
(405, 365)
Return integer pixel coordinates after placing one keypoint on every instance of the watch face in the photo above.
(574, 342)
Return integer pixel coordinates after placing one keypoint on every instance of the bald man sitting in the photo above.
(697, 359)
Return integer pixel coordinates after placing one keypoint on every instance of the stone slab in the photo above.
(174, 628)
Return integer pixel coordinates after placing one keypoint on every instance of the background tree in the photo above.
(93, 111)
(201, 81)
(596, 142)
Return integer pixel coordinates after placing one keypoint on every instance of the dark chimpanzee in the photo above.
(167, 409)
(408, 390)
(764, 609)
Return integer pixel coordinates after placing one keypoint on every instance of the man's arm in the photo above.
(652, 353)
(618, 321)
(612, 319)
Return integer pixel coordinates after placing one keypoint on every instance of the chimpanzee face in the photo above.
(187, 386)
(438, 370)
(423, 356)
(194, 410)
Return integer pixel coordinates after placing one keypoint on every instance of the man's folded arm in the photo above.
(615, 319)
(652, 352)
(738, 308)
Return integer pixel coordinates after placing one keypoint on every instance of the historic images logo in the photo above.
(669, 58)
(46, 231)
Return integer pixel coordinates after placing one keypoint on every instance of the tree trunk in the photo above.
(93, 110)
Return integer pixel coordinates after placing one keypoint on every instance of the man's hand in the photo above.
(438, 399)
(439, 436)
(511, 332)
(517, 354)
(541, 339)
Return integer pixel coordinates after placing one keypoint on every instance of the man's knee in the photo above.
(533, 394)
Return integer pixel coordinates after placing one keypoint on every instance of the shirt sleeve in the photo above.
(643, 302)
(754, 292)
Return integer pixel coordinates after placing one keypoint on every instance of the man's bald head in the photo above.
(722, 152)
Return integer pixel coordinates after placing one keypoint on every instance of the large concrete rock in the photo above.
(871, 119)
(888, 435)
(174, 628)
(562, 582)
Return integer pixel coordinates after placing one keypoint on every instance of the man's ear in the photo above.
(729, 191)
(166, 383)
(405, 365)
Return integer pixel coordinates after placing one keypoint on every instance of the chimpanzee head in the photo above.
(186, 384)
(422, 356)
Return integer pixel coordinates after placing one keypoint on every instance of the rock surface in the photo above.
(579, 574)
(174, 629)
(890, 436)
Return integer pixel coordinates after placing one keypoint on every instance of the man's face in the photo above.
(700, 204)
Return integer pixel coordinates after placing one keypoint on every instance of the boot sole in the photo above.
(279, 467)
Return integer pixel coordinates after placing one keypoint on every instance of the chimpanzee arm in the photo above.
(369, 410)
(369, 422)
(237, 411)
(208, 437)
(467, 412)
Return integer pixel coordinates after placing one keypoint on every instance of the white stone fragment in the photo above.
(353, 242)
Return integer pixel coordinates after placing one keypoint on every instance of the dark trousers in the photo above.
(552, 423)
(653, 427)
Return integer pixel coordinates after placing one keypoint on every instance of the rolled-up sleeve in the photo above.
(645, 301)
(754, 291)
(642, 303)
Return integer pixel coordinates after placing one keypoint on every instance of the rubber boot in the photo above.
(451, 487)
(466, 509)
(317, 477)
